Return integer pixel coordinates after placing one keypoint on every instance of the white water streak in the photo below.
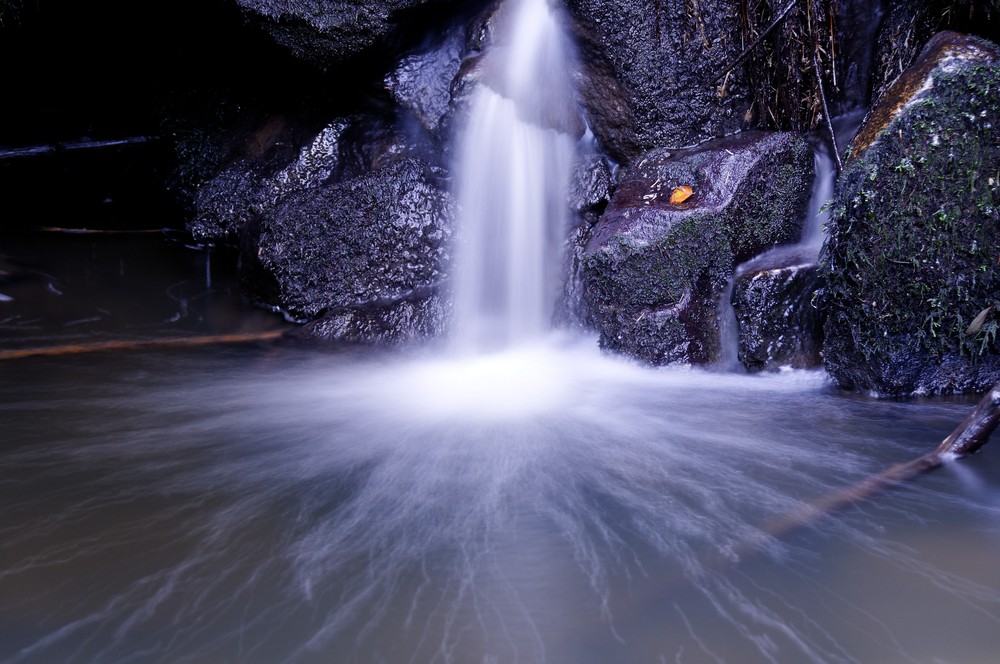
(511, 177)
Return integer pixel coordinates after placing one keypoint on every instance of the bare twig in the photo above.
(742, 56)
(99, 231)
(826, 113)
(975, 430)
(72, 146)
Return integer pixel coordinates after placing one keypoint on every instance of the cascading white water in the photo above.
(513, 162)
(813, 227)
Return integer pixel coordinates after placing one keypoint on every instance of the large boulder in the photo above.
(655, 270)
(909, 24)
(266, 168)
(367, 243)
(421, 82)
(649, 70)
(328, 32)
(910, 262)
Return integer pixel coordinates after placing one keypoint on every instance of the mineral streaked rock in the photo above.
(946, 52)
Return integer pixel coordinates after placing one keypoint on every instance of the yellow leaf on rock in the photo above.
(681, 194)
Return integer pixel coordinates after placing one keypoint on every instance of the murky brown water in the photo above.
(269, 503)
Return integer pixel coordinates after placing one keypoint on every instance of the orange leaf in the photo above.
(681, 194)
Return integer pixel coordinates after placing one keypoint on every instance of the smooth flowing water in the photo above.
(512, 169)
(546, 505)
(538, 503)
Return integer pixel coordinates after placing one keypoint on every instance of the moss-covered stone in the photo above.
(911, 257)
(655, 270)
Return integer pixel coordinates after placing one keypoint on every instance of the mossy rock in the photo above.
(911, 258)
(654, 270)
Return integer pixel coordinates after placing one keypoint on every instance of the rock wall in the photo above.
(648, 70)
(328, 32)
(344, 220)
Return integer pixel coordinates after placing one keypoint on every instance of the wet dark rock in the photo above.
(777, 317)
(590, 183)
(328, 32)
(655, 271)
(648, 70)
(910, 260)
(589, 191)
(372, 141)
(421, 82)
(574, 309)
(366, 244)
(257, 180)
(417, 317)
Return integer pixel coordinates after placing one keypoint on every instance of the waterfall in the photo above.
(513, 161)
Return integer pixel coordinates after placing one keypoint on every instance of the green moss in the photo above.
(912, 255)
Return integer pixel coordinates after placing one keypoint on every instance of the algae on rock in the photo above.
(911, 255)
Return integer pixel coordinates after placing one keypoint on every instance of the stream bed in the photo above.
(287, 502)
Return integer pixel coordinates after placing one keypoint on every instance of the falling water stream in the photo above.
(512, 174)
(524, 499)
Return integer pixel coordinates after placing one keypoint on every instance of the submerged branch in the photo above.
(135, 344)
(756, 42)
(967, 438)
(100, 231)
(975, 430)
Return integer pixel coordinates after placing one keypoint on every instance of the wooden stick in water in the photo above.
(136, 344)
(100, 231)
(967, 438)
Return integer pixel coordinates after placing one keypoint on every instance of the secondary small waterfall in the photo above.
(805, 251)
(513, 161)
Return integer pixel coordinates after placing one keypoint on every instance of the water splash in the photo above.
(514, 156)
(188, 510)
